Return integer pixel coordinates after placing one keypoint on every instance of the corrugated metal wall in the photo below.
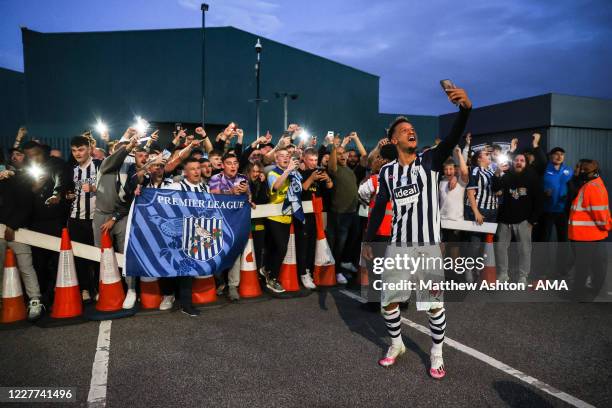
(12, 105)
(581, 143)
(72, 78)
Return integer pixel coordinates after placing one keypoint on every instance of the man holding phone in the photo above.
(230, 182)
(83, 198)
(314, 181)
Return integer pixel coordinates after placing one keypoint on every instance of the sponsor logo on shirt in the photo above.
(406, 195)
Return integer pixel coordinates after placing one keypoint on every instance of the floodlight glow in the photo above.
(101, 127)
(305, 135)
(503, 159)
(35, 171)
(141, 125)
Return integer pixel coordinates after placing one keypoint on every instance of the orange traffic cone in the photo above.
(67, 302)
(288, 276)
(150, 293)
(13, 305)
(111, 295)
(249, 279)
(489, 273)
(324, 265)
(204, 290)
(363, 270)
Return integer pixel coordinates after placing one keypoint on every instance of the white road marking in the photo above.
(542, 386)
(99, 371)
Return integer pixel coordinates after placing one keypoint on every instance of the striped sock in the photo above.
(437, 326)
(393, 321)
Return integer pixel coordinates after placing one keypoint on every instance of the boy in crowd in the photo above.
(230, 182)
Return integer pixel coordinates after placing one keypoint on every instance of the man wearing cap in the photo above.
(556, 177)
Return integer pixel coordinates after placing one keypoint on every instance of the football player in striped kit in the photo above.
(80, 222)
(411, 184)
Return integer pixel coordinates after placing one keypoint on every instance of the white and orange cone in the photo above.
(489, 273)
(111, 288)
(288, 276)
(67, 302)
(249, 278)
(363, 270)
(324, 265)
(13, 304)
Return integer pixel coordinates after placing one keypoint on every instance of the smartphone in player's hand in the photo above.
(447, 85)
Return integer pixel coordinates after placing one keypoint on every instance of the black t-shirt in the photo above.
(522, 196)
(317, 188)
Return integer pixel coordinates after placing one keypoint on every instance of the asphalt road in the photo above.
(322, 350)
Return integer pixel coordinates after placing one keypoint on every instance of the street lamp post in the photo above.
(258, 49)
(204, 9)
(286, 96)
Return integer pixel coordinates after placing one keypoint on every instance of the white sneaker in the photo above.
(522, 280)
(85, 295)
(392, 354)
(341, 279)
(34, 309)
(503, 279)
(307, 281)
(589, 282)
(167, 302)
(348, 266)
(469, 276)
(130, 299)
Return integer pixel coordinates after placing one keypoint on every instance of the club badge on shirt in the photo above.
(406, 195)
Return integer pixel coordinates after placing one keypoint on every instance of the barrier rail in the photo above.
(52, 243)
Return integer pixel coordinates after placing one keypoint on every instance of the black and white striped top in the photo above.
(184, 185)
(481, 181)
(413, 192)
(84, 204)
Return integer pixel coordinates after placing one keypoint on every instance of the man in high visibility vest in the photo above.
(383, 154)
(589, 223)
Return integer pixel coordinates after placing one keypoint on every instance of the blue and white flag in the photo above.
(293, 200)
(183, 233)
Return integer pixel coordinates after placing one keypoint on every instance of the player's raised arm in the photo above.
(459, 97)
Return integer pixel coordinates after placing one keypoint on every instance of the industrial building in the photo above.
(73, 79)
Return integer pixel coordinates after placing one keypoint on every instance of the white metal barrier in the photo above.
(92, 253)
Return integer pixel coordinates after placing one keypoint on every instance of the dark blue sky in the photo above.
(498, 50)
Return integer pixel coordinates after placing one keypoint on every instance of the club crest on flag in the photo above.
(202, 237)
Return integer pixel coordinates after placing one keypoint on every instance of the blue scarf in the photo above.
(293, 200)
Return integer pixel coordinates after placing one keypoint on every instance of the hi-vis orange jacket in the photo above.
(385, 226)
(589, 218)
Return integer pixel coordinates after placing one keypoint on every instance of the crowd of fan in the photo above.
(527, 193)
